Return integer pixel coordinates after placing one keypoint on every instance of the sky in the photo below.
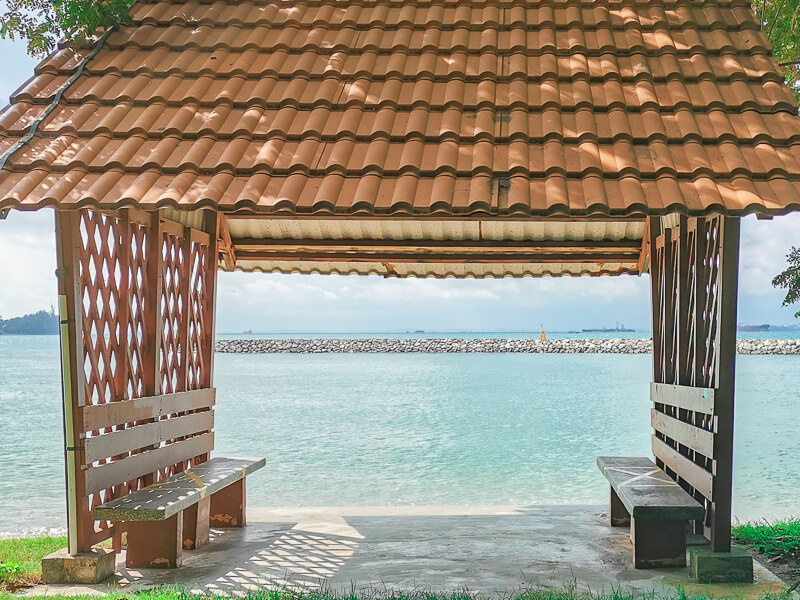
(315, 303)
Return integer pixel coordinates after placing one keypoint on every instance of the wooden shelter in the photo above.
(429, 138)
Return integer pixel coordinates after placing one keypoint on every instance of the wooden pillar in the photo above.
(68, 247)
(656, 274)
(183, 325)
(725, 369)
(153, 322)
(210, 302)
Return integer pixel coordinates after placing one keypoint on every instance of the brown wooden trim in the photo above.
(199, 237)
(696, 476)
(481, 257)
(645, 260)
(149, 434)
(686, 434)
(172, 227)
(226, 246)
(104, 476)
(683, 396)
(150, 407)
(141, 217)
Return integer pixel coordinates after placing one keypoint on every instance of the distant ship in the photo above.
(748, 327)
(620, 328)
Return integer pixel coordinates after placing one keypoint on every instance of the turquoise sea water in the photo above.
(421, 429)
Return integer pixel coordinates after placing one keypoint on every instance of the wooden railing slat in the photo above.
(151, 407)
(149, 434)
(699, 440)
(694, 475)
(683, 396)
(104, 476)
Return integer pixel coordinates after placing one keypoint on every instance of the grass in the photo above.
(567, 593)
(774, 540)
(21, 559)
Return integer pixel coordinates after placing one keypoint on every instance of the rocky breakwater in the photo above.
(768, 346)
(435, 345)
(455, 345)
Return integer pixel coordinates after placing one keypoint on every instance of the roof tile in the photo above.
(422, 107)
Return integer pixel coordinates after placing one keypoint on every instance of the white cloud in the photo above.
(336, 303)
(765, 245)
(27, 263)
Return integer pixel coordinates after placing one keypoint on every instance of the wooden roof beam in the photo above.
(389, 245)
(411, 256)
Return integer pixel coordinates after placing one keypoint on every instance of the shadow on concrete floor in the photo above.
(486, 550)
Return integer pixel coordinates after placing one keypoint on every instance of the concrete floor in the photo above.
(489, 551)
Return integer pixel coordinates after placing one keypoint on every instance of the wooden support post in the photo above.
(183, 325)
(123, 308)
(155, 544)
(656, 275)
(228, 506)
(618, 514)
(68, 246)
(153, 320)
(668, 298)
(724, 397)
(658, 544)
(682, 315)
(210, 298)
(196, 524)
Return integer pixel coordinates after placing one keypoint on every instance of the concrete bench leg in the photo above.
(618, 514)
(195, 524)
(658, 544)
(155, 544)
(228, 506)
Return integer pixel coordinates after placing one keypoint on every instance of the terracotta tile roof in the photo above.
(323, 107)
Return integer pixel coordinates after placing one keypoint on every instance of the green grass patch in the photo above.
(21, 559)
(778, 539)
(567, 593)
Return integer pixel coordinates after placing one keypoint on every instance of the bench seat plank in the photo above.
(166, 498)
(646, 491)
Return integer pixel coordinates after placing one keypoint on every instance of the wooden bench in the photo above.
(176, 513)
(654, 505)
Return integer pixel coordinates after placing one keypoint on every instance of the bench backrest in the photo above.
(146, 437)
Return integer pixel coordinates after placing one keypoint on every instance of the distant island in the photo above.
(747, 327)
(38, 323)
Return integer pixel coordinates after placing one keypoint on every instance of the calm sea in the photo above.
(419, 429)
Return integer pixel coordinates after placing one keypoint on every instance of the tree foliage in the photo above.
(42, 23)
(790, 279)
(779, 20)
